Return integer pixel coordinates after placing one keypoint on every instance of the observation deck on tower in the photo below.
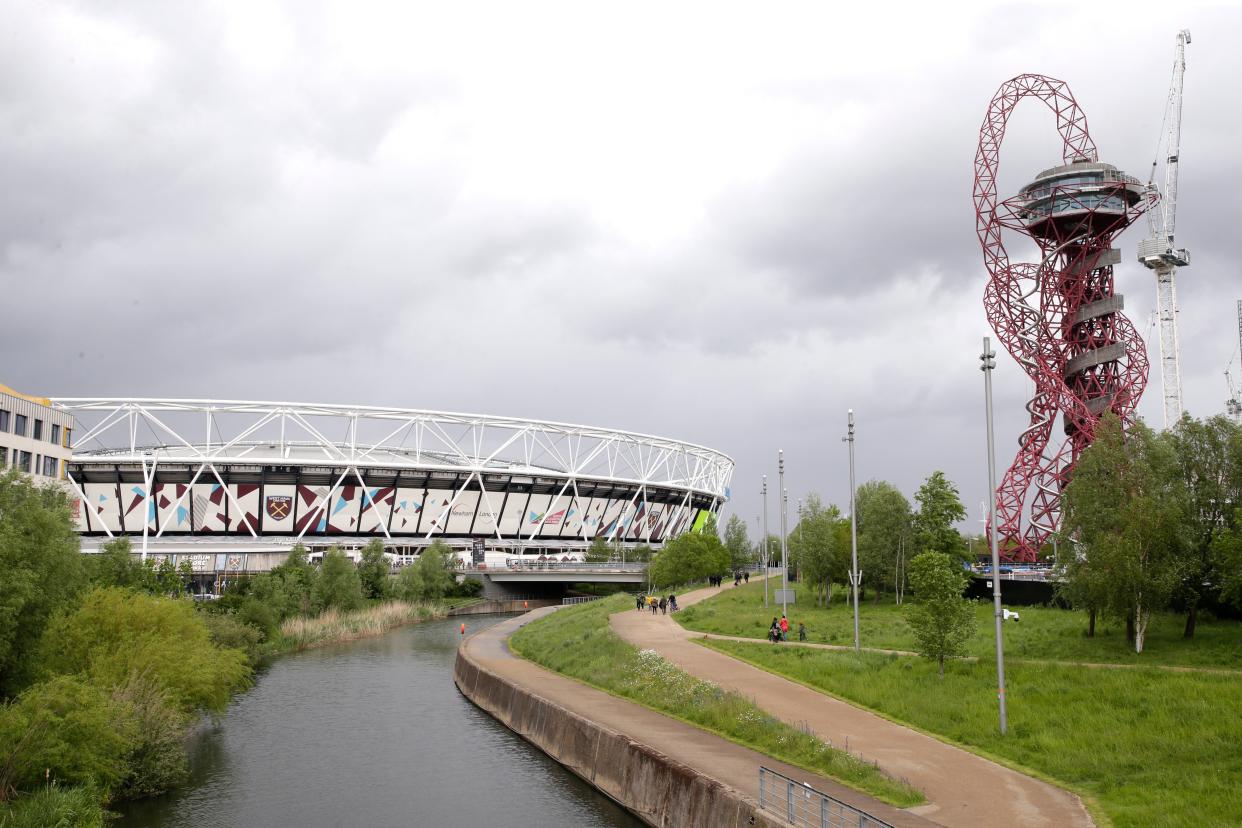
(1085, 197)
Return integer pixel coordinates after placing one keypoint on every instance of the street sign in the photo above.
(784, 596)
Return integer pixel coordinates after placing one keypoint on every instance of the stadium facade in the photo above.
(235, 478)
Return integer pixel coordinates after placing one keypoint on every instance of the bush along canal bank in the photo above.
(678, 771)
(106, 663)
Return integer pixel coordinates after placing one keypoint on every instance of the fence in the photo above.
(797, 803)
(579, 599)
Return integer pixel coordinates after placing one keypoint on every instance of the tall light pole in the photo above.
(767, 551)
(780, 466)
(988, 358)
(855, 574)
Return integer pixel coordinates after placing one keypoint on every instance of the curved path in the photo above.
(727, 762)
(964, 790)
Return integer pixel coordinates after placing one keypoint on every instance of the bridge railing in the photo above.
(797, 803)
(555, 566)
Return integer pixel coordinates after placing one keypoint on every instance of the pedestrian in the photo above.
(774, 631)
(655, 606)
(672, 603)
(801, 631)
(746, 576)
(638, 602)
(737, 578)
(784, 628)
(664, 606)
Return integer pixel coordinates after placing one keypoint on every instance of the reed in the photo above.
(332, 626)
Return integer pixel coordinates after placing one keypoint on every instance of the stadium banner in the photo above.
(514, 511)
(435, 515)
(243, 507)
(406, 510)
(209, 506)
(463, 512)
(535, 509)
(375, 506)
(276, 512)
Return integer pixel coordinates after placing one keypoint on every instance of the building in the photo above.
(34, 436)
(234, 485)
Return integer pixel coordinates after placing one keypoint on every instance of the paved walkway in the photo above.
(729, 763)
(964, 790)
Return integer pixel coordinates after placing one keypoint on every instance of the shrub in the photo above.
(115, 634)
(338, 585)
(54, 806)
(64, 727)
(236, 633)
(156, 760)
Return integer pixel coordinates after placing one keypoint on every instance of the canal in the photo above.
(372, 733)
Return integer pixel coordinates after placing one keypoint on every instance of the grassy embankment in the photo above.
(1043, 633)
(578, 642)
(331, 626)
(1143, 746)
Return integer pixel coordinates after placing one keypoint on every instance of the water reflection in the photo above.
(371, 733)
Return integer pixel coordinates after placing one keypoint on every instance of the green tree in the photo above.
(941, 619)
(1209, 457)
(1125, 508)
(600, 551)
(373, 570)
(114, 565)
(40, 571)
(155, 759)
(294, 584)
(338, 585)
(688, 558)
(815, 546)
(115, 634)
(428, 578)
(884, 529)
(940, 506)
(737, 542)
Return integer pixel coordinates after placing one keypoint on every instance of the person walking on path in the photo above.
(801, 631)
(638, 602)
(664, 606)
(672, 603)
(774, 631)
(784, 628)
(746, 576)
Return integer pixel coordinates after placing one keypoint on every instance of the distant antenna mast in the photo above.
(1234, 404)
(1157, 251)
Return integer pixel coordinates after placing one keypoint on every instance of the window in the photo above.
(19, 425)
(24, 462)
(49, 466)
(4, 456)
(38, 432)
(68, 437)
(4, 420)
(55, 437)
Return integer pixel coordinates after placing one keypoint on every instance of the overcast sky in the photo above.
(720, 223)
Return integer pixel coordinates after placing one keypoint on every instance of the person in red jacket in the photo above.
(784, 628)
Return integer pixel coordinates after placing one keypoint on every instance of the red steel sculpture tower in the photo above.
(1059, 317)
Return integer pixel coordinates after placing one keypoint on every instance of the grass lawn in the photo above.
(1150, 747)
(1043, 633)
(578, 642)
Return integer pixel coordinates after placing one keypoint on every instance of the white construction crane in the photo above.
(1157, 251)
(1234, 404)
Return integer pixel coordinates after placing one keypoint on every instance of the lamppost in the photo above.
(780, 465)
(767, 551)
(988, 358)
(855, 574)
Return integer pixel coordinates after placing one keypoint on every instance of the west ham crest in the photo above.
(279, 506)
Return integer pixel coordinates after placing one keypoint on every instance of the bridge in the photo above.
(550, 578)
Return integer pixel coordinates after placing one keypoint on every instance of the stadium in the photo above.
(227, 481)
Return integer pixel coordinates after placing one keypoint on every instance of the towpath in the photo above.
(729, 763)
(963, 790)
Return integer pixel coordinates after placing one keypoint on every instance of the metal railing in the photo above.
(554, 566)
(797, 803)
(579, 599)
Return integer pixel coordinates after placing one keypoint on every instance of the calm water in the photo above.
(372, 733)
